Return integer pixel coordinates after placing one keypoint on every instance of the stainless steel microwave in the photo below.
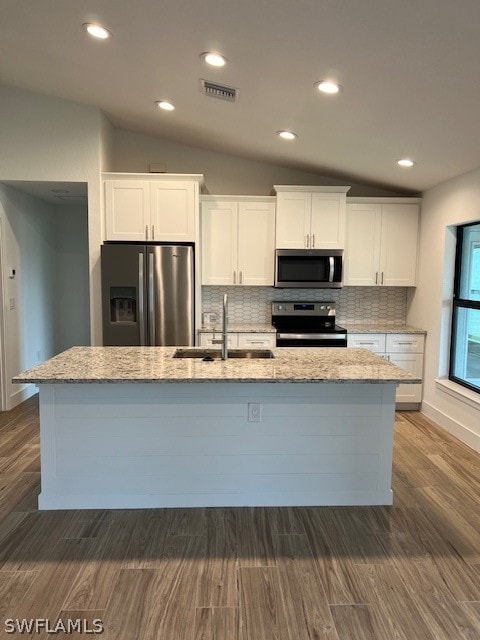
(309, 268)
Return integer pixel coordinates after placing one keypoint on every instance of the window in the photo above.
(465, 349)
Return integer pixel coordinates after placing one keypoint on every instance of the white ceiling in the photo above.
(410, 72)
(61, 193)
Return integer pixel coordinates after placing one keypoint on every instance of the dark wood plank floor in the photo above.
(408, 572)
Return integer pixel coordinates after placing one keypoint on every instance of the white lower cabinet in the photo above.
(402, 349)
(413, 363)
(257, 340)
(240, 340)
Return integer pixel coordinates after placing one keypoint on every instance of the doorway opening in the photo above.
(44, 274)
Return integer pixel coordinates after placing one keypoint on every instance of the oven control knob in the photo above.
(322, 307)
(329, 308)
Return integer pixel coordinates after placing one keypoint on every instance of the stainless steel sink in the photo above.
(215, 354)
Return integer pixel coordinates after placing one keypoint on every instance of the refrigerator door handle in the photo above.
(151, 299)
(141, 299)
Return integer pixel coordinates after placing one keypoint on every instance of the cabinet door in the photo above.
(372, 341)
(413, 363)
(127, 209)
(219, 243)
(328, 221)
(206, 340)
(404, 343)
(257, 340)
(398, 260)
(293, 220)
(362, 252)
(256, 242)
(173, 211)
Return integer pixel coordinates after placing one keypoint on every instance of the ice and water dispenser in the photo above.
(123, 305)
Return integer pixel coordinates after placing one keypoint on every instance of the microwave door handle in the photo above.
(331, 272)
(141, 299)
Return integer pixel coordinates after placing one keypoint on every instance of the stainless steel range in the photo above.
(307, 324)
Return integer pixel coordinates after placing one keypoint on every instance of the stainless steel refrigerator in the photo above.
(148, 295)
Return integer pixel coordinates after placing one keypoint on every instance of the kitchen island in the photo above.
(133, 427)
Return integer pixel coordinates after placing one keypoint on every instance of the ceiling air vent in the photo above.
(215, 90)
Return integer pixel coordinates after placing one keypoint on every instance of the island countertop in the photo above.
(80, 365)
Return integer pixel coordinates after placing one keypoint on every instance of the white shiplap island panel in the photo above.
(133, 427)
(188, 445)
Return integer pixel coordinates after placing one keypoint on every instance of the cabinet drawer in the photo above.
(372, 341)
(404, 343)
(257, 340)
(207, 338)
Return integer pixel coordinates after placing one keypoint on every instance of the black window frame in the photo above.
(460, 303)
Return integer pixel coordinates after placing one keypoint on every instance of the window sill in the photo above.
(458, 392)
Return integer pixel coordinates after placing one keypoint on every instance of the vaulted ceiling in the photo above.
(409, 71)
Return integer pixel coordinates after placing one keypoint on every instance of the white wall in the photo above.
(224, 174)
(452, 203)
(28, 246)
(48, 138)
(72, 305)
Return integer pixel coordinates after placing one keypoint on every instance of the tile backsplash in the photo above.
(251, 305)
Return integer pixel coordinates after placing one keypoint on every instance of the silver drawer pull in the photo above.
(399, 342)
(365, 342)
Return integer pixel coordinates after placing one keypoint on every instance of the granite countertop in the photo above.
(381, 328)
(240, 328)
(155, 364)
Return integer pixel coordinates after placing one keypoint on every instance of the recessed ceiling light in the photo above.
(96, 30)
(287, 135)
(213, 59)
(405, 162)
(165, 105)
(328, 86)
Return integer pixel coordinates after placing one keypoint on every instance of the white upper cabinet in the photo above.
(310, 217)
(173, 211)
(381, 242)
(127, 207)
(219, 221)
(256, 233)
(152, 209)
(238, 241)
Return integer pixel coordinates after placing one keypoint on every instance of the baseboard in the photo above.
(21, 395)
(458, 430)
(53, 501)
(407, 406)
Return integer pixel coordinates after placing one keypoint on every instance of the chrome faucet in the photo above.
(224, 340)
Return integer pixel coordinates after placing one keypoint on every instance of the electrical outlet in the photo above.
(254, 412)
(12, 303)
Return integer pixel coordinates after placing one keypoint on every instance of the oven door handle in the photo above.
(311, 336)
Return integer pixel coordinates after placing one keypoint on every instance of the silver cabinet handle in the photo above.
(330, 273)
(153, 232)
(146, 232)
(308, 240)
(382, 277)
(256, 342)
(313, 243)
(234, 277)
(376, 277)
(151, 299)
(241, 277)
(400, 342)
(141, 300)
(360, 342)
